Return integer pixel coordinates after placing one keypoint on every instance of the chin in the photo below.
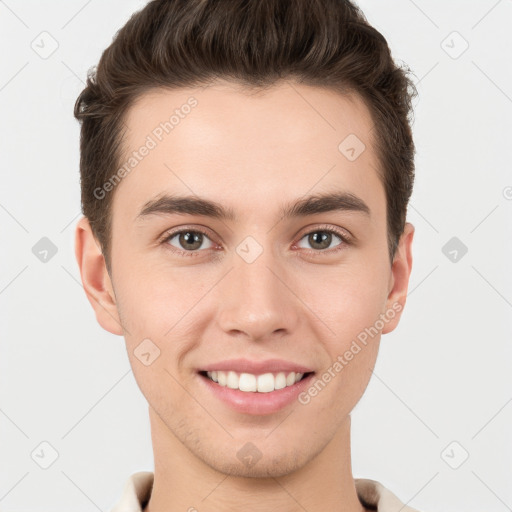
(267, 466)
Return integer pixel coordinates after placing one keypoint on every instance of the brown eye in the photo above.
(321, 239)
(188, 240)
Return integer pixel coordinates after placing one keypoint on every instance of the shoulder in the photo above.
(136, 492)
(374, 496)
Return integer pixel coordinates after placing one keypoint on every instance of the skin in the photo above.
(251, 152)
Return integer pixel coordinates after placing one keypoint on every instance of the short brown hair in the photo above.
(186, 43)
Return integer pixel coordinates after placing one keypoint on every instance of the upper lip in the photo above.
(256, 367)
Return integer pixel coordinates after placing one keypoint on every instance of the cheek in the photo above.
(347, 299)
(349, 306)
(163, 305)
(150, 299)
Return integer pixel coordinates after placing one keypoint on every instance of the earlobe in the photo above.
(400, 273)
(95, 278)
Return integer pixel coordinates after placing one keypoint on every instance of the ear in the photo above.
(399, 279)
(95, 278)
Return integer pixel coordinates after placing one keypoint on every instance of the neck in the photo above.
(184, 482)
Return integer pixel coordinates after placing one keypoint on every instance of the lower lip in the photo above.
(254, 402)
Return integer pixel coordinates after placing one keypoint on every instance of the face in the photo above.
(306, 288)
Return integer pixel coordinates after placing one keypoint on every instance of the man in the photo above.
(245, 170)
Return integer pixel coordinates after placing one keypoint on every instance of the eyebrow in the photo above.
(311, 205)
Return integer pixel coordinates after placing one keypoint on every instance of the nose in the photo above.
(256, 298)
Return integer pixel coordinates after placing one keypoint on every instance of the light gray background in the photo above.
(442, 386)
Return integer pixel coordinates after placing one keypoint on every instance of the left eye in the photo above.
(322, 238)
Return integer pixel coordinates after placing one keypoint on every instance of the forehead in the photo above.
(223, 141)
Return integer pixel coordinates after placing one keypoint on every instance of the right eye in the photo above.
(189, 240)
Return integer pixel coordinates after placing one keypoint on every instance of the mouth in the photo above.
(261, 394)
(252, 383)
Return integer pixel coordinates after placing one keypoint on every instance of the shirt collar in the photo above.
(372, 495)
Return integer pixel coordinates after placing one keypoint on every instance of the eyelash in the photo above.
(344, 238)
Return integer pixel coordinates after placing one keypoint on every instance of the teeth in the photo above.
(251, 383)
